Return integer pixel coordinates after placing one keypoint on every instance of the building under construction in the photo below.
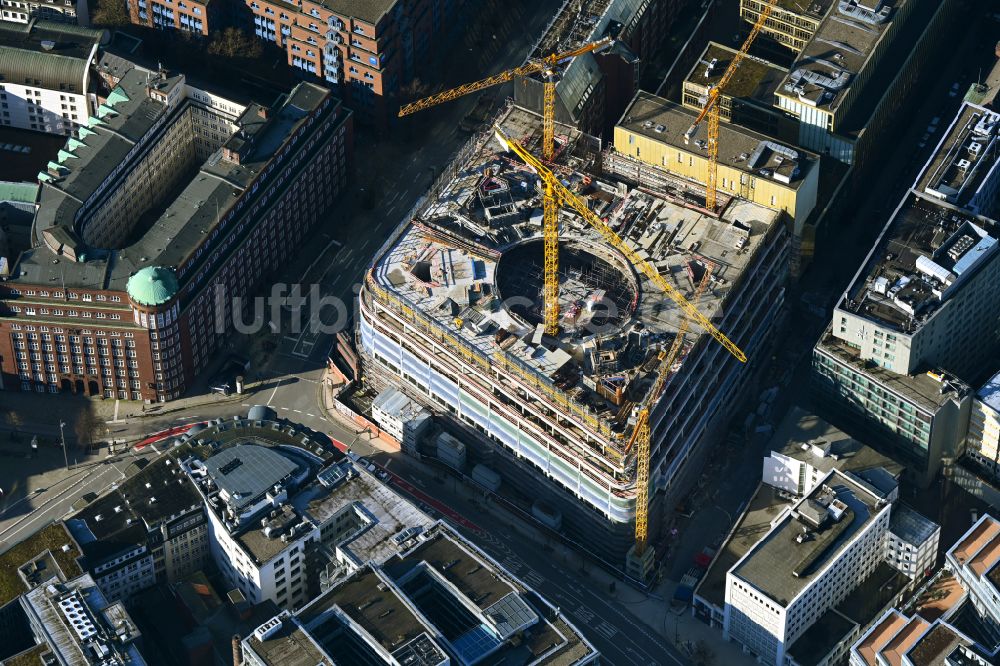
(451, 313)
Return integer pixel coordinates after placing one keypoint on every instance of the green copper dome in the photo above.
(153, 285)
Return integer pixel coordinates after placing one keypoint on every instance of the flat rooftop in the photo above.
(471, 263)
(49, 552)
(935, 645)
(78, 621)
(755, 79)
(385, 616)
(981, 538)
(752, 526)
(804, 436)
(369, 11)
(666, 122)
(944, 593)
(780, 566)
(923, 257)
(385, 514)
(910, 525)
(290, 645)
(966, 157)
(989, 394)
(838, 53)
(926, 390)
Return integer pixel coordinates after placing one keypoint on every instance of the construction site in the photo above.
(452, 313)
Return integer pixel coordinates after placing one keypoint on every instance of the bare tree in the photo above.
(87, 427)
(702, 654)
(234, 43)
(110, 13)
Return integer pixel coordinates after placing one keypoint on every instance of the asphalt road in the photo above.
(560, 575)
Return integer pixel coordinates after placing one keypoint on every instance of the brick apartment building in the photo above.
(366, 51)
(193, 16)
(119, 295)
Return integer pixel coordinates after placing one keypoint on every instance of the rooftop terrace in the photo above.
(838, 52)
(831, 515)
(924, 255)
(667, 122)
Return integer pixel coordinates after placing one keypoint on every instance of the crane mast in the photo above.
(549, 67)
(711, 109)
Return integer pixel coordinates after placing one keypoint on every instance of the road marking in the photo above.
(245, 404)
(607, 629)
(311, 415)
(297, 411)
(285, 408)
(273, 392)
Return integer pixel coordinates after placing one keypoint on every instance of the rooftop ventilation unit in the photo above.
(659, 129)
(268, 629)
(963, 165)
(975, 147)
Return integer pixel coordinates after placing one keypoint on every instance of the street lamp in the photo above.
(62, 436)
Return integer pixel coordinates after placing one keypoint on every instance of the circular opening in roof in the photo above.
(597, 290)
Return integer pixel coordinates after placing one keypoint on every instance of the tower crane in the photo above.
(711, 108)
(549, 67)
(641, 434)
(641, 431)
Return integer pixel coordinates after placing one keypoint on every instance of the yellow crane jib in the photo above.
(567, 198)
(549, 66)
(549, 62)
(711, 107)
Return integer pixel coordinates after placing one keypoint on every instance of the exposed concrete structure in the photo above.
(452, 307)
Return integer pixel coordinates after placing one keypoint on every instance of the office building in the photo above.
(451, 311)
(595, 88)
(367, 51)
(50, 555)
(150, 529)
(751, 166)
(917, 318)
(401, 418)
(815, 554)
(63, 11)
(439, 601)
(152, 228)
(848, 80)
(982, 444)
(913, 641)
(287, 515)
(748, 98)
(195, 17)
(975, 562)
(46, 70)
(811, 448)
(791, 24)
(73, 623)
(953, 619)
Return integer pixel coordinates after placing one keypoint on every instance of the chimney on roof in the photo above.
(237, 652)
(263, 112)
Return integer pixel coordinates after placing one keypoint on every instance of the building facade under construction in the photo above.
(451, 313)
